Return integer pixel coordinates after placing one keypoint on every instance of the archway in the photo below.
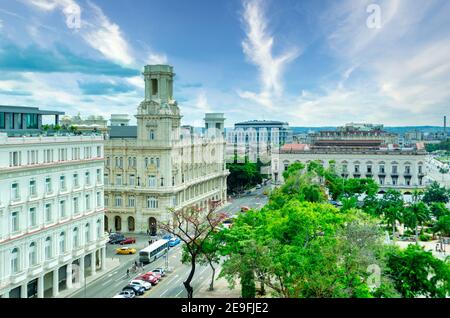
(106, 224)
(131, 224)
(152, 226)
(118, 223)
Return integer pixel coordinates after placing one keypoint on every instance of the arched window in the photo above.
(32, 256)
(75, 238)
(48, 247)
(62, 242)
(87, 232)
(15, 260)
(152, 203)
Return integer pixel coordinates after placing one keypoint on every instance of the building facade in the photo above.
(51, 213)
(157, 166)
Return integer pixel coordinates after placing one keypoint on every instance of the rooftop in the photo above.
(28, 110)
(261, 122)
(122, 131)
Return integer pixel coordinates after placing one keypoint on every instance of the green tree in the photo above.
(243, 175)
(416, 272)
(439, 209)
(436, 193)
(442, 225)
(391, 207)
(415, 215)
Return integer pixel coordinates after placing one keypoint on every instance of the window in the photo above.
(119, 179)
(62, 243)
(14, 222)
(108, 161)
(152, 181)
(31, 121)
(88, 202)
(32, 215)
(87, 232)
(119, 162)
(32, 254)
(118, 201)
(48, 185)
(48, 248)
(76, 208)
(369, 168)
(394, 169)
(157, 162)
(75, 180)
(15, 191)
(15, 158)
(173, 180)
(106, 179)
(420, 169)
(106, 200)
(32, 157)
(382, 170)
(154, 86)
(132, 162)
(32, 188)
(152, 135)
(17, 121)
(99, 199)
(87, 176)
(14, 260)
(407, 170)
(48, 212)
(356, 168)
(2, 121)
(394, 181)
(75, 238)
(99, 151)
(131, 180)
(99, 176)
(131, 202)
(62, 183)
(152, 203)
(62, 208)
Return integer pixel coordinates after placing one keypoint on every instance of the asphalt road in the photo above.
(170, 286)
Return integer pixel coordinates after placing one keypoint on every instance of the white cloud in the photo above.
(154, 58)
(258, 47)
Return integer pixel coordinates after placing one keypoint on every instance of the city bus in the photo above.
(153, 251)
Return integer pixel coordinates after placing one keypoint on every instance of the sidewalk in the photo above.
(111, 264)
(429, 246)
(221, 290)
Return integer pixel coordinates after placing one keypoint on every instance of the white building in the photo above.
(159, 165)
(400, 168)
(51, 213)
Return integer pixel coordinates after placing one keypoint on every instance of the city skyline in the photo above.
(316, 63)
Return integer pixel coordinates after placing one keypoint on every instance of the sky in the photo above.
(310, 63)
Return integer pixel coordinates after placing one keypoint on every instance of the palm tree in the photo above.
(415, 215)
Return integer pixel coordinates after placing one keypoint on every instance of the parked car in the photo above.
(149, 278)
(129, 293)
(244, 208)
(143, 283)
(128, 240)
(167, 237)
(116, 238)
(159, 271)
(126, 250)
(174, 241)
(138, 290)
(158, 276)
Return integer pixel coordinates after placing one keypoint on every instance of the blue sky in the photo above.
(310, 63)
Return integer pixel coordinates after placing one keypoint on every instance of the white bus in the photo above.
(153, 251)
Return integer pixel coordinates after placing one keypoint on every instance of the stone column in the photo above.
(24, 291)
(69, 276)
(81, 272)
(93, 261)
(55, 290)
(103, 259)
(40, 287)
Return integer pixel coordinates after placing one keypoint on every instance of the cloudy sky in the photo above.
(310, 63)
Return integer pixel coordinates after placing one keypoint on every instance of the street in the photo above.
(170, 286)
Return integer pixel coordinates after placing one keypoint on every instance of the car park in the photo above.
(125, 294)
(141, 283)
(126, 250)
(136, 289)
(128, 240)
(174, 241)
(159, 271)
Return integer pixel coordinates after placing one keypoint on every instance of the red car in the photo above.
(158, 276)
(128, 240)
(149, 278)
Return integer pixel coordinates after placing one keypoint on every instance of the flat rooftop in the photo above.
(28, 110)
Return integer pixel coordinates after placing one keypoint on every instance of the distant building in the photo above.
(362, 154)
(119, 120)
(89, 124)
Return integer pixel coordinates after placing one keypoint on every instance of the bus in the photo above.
(153, 251)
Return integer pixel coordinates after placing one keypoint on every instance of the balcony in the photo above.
(49, 264)
(35, 270)
(18, 277)
(77, 251)
(66, 256)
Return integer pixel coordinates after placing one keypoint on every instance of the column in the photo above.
(6, 294)
(24, 290)
(93, 261)
(81, 273)
(55, 290)
(40, 286)
(69, 276)
(103, 260)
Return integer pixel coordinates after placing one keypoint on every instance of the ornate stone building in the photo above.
(157, 165)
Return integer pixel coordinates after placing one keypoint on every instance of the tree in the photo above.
(415, 215)
(442, 225)
(293, 169)
(436, 193)
(193, 226)
(416, 272)
(438, 209)
(243, 175)
(391, 207)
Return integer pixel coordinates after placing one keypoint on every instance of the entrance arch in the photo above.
(131, 224)
(118, 223)
(152, 226)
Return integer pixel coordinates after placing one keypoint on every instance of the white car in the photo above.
(125, 294)
(141, 283)
(159, 271)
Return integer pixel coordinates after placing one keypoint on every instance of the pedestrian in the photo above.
(128, 272)
(149, 242)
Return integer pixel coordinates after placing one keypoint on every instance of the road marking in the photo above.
(164, 292)
(179, 292)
